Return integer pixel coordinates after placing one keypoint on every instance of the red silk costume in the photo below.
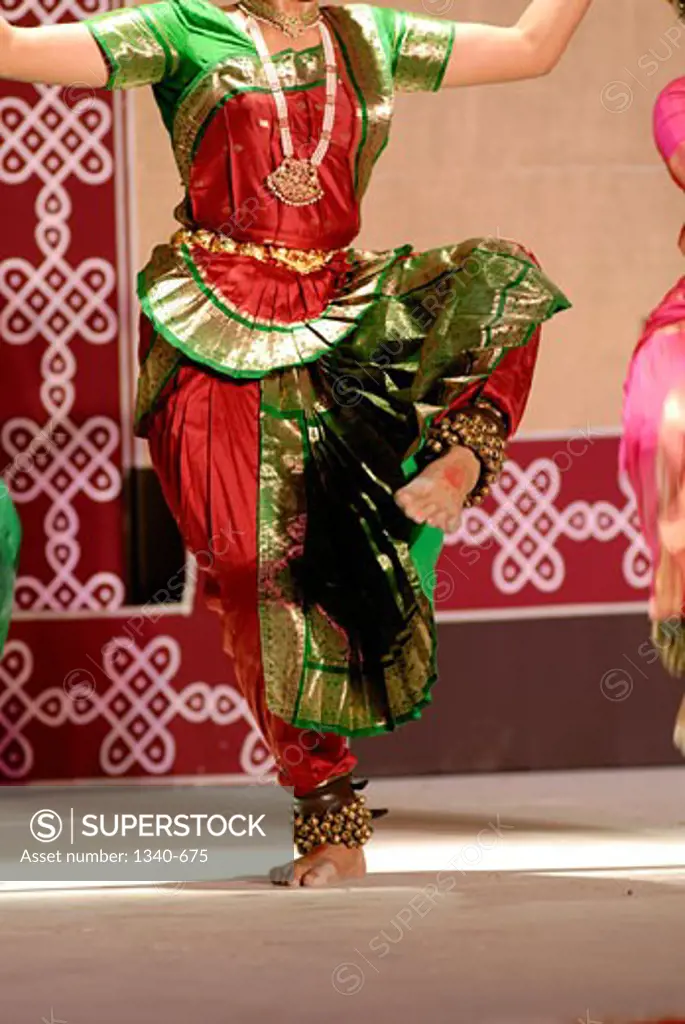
(287, 378)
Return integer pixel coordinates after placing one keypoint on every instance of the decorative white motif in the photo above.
(132, 691)
(255, 758)
(17, 711)
(60, 137)
(60, 140)
(49, 12)
(527, 524)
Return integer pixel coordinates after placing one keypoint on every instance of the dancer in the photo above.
(653, 446)
(318, 415)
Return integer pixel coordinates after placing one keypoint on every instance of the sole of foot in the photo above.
(436, 496)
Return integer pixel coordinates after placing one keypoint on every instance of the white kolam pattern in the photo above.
(59, 139)
(132, 690)
(530, 519)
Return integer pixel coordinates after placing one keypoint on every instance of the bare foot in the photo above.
(437, 495)
(325, 865)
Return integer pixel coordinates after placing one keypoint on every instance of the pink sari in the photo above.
(656, 368)
(653, 447)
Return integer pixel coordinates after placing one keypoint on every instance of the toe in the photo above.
(427, 512)
(453, 524)
(417, 488)
(323, 873)
(284, 874)
(405, 501)
(440, 520)
(414, 510)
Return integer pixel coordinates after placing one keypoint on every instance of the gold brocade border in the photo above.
(306, 656)
(371, 75)
(411, 668)
(424, 50)
(282, 525)
(300, 649)
(159, 365)
(206, 326)
(139, 52)
(437, 286)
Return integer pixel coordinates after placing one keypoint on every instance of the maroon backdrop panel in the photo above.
(561, 529)
(59, 387)
(125, 696)
(538, 694)
(89, 687)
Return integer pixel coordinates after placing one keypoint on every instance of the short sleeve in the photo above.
(422, 49)
(142, 45)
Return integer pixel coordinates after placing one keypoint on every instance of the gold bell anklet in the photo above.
(334, 813)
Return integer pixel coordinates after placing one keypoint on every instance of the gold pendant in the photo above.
(293, 28)
(295, 182)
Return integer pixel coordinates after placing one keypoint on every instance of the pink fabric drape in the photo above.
(657, 367)
(669, 118)
(658, 362)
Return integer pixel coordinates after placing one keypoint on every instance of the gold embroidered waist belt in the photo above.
(302, 261)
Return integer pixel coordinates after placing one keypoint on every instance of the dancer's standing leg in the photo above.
(204, 443)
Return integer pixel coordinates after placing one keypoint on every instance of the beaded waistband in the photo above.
(303, 261)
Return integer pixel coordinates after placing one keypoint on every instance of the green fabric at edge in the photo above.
(10, 540)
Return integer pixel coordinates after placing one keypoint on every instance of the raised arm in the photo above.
(51, 54)
(118, 49)
(528, 49)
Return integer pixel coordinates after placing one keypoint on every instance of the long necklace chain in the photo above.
(292, 25)
(295, 181)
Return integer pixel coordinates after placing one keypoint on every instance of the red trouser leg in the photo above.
(204, 443)
(508, 386)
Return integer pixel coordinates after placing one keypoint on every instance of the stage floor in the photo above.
(512, 899)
